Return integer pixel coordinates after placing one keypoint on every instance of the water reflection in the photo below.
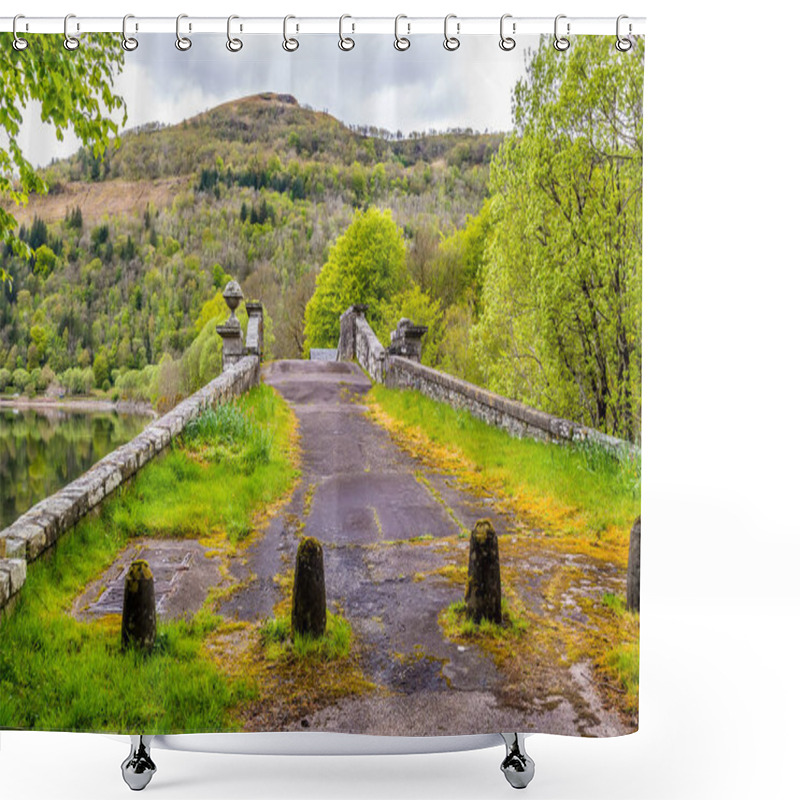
(43, 450)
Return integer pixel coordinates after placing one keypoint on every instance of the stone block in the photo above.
(15, 569)
(11, 547)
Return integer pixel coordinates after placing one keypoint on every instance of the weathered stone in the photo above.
(5, 589)
(634, 565)
(139, 608)
(30, 533)
(11, 547)
(15, 569)
(483, 595)
(309, 613)
(406, 340)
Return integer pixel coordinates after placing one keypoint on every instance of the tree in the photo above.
(366, 265)
(75, 92)
(561, 320)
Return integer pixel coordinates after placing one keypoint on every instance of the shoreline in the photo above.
(80, 404)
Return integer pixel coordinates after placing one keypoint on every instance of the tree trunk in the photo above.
(139, 608)
(309, 614)
(483, 576)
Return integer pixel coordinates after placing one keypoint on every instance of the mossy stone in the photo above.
(139, 608)
(483, 595)
(309, 612)
(634, 565)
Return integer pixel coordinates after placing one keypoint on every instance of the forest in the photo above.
(521, 251)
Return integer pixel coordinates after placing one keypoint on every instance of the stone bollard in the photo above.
(309, 614)
(483, 576)
(634, 564)
(139, 608)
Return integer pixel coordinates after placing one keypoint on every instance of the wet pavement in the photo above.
(381, 517)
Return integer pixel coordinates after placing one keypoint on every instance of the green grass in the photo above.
(276, 637)
(214, 476)
(58, 673)
(622, 663)
(456, 624)
(584, 477)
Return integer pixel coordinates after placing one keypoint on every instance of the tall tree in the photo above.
(74, 90)
(561, 320)
(366, 265)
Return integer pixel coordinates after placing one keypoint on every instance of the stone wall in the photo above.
(41, 526)
(358, 341)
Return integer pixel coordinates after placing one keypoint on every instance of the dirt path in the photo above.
(390, 528)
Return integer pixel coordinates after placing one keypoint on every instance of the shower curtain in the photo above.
(320, 380)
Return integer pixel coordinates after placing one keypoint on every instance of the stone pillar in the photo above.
(231, 330)
(346, 349)
(309, 613)
(139, 608)
(634, 564)
(483, 597)
(254, 344)
(407, 340)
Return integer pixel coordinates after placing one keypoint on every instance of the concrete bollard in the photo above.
(309, 614)
(139, 608)
(634, 565)
(483, 576)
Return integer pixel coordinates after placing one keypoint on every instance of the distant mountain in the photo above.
(258, 188)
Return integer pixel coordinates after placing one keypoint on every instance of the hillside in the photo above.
(129, 249)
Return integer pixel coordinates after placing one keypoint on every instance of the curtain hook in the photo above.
(401, 42)
(233, 44)
(289, 44)
(129, 43)
(624, 43)
(345, 42)
(561, 43)
(183, 43)
(70, 42)
(451, 43)
(18, 44)
(507, 42)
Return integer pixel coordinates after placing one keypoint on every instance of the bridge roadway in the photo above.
(364, 498)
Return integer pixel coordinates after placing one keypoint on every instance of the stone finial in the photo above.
(406, 340)
(483, 596)
(309, 612)
(232, 293)
(139, 608)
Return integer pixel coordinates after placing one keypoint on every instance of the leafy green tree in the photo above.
(74, 91)
(366, 265)
(417, 306)
(5, 378)
(561, 320)
(100, 369)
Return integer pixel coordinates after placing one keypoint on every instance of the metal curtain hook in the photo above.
(401, 42)
(506, 42)
(183, 43)
(129, 43)
(560, 43)
(70, 42)
(451, 43)
(18, 43)
(233, 44)
(624, 43)
(289, 44)
(345, 42)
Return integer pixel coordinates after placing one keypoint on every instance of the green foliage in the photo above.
(5, 378)
(100, 369)
(561, 321)
(74, 90)
(366, 265)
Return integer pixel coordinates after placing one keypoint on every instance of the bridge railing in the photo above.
(399, 367)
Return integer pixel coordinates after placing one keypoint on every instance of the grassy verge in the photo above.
(568, 491)
(58, 673)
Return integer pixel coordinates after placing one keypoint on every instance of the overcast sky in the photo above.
(373, 84)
